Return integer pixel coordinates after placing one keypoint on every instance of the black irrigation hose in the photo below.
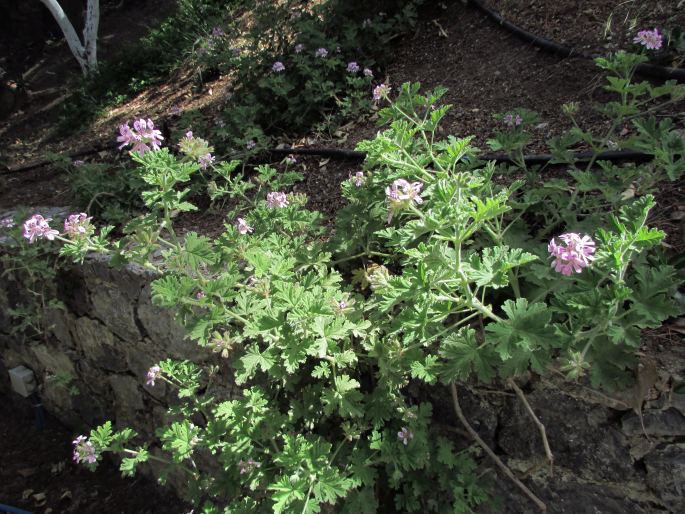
(613, 156)
(652, 70)
(339, 153)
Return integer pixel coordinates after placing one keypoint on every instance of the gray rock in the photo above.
(53, 359)
(114, 309)
(129, 279)
(667, 423)
(593, 452)
(666, 475)
(57, 322)
(140, 357)
(127, 396)
(99, 345)
(160, 326)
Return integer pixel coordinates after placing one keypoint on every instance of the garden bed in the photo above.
(594, 26)
(109, 333)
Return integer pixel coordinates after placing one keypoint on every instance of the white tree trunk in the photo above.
(85, 52)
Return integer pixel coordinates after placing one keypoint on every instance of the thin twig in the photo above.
(491, 454)
(536, 420)
(101, 193)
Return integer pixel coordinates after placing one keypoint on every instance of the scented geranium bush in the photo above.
(300, 64)
(475, 285)
(426, 280)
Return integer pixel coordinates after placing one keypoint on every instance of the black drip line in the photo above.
(651, 70)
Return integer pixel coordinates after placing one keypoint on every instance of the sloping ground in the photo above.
(604, 462)
(486, 70)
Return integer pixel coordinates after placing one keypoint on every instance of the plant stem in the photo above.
(491, 454)
(536, 420)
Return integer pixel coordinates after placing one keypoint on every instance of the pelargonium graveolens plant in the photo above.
(460, 283)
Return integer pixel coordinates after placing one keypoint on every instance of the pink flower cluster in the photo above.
(381, 91)
(247, 466)
(36, 227)
(7, 222)
(321, 52)
(574, 254)
(205, 160)
(243, 227)
(276, 199)
(511, 120)
(358, 179)
(405, 435)
(144, 137)
(278, 67)
(650, 39)
(84, 450)
(77, 225)
(153, 374)
(353, 67)
(402, 194)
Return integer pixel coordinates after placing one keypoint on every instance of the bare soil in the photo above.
(37, 472)
(594, 26)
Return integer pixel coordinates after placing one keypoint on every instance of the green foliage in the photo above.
(449, 282)
(32, 270)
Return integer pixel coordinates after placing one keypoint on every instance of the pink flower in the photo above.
(298, 48)
(650, 39)
(175, 110)
(126, 136)
(84, 450)
(78, 163)
(205, 160)
(37, 226)
(153, 374)
(402, 194)
(77, 225)
(510, 120)
(218, 32)
(574, 254)
(276, 199)
(367, 72)
(247, 466)
(358, 179)
(353, 67)
(250, 144)
(278, 67)
(381, 91)
(321, 52)
(290, 160)
(405, 435)
(143, 136)
(7, 222)
(200, 295)
(243, 227)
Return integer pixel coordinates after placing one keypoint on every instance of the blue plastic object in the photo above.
(6, 509)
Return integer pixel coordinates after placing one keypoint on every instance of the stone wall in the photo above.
(110, 334)
(92, 363)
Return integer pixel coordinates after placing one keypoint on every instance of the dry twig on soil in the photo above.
(457, 409)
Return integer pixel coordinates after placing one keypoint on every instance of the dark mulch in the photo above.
(593, 26)
(37, 473)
